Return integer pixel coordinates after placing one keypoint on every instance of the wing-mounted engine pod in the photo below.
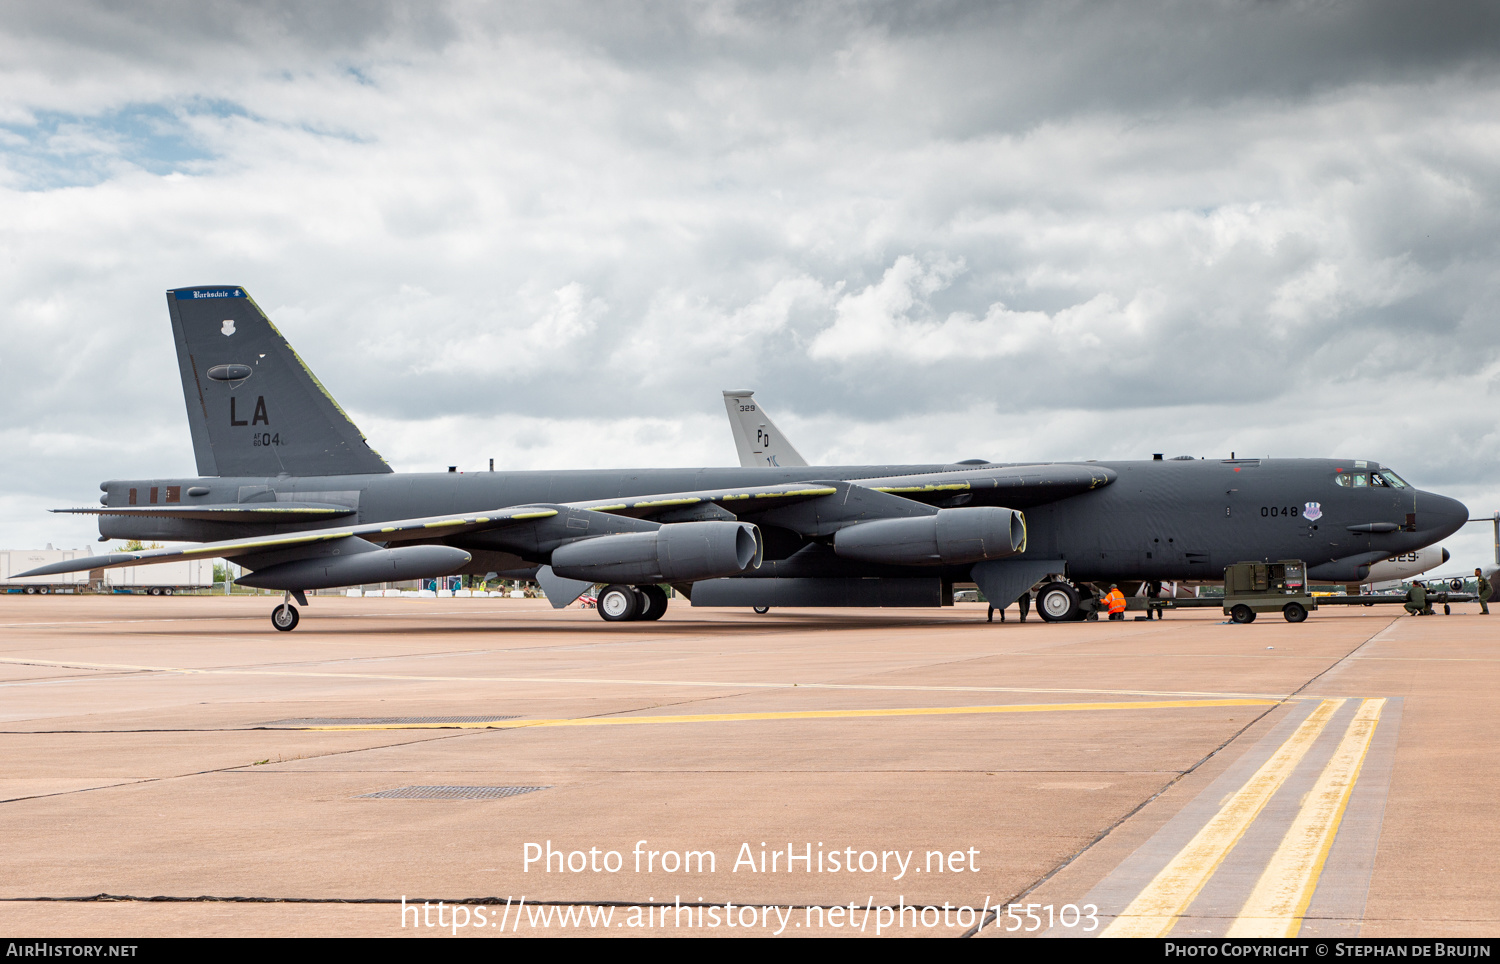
(951, 537)
(681, 551)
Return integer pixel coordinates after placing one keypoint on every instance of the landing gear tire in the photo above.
(653, 603)
(618, 604)
(284, 617)
(1242, 614)
(1294, 612)
(762, 610)
(1447, 611)
(1057, 602)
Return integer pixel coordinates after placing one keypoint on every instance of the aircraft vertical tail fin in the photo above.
(253, 405)
(758, 441)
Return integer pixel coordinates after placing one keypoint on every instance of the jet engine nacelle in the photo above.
(379, 565)
(951, 537)
(677, 552)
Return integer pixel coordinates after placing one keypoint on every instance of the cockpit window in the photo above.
(1382, 479)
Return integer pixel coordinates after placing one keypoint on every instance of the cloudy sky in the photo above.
(551, 234)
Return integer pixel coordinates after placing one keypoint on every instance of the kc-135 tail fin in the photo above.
(254, 407)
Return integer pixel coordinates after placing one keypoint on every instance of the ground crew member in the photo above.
(1114, 600)
(1416, 600)
(1025, 603)
(1482, 589)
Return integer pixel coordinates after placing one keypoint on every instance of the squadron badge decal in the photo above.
(228, 328)
(1313, 511)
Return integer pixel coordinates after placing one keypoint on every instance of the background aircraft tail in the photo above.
(254, 407)
(758, 441)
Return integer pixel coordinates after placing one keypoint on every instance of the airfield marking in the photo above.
(1156, 909)
(727, 684)
(1279, 902)
(801, 715)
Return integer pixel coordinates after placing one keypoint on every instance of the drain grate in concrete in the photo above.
(448, 793)
(384, 720)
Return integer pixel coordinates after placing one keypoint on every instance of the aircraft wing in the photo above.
(428, 529)
(1016, 486)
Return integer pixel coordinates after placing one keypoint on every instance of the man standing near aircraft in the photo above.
(1483, 590)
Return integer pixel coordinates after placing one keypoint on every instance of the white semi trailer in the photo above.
(13, 561)
(162, 579)
(159, 580)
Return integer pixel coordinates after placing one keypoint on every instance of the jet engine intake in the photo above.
(379, 565)
(951, 537)
(677, 552)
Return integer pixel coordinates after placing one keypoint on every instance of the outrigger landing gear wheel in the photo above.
(618, 604)
(1057, 602)
(762, 610)
(653, 602)
(284, 617)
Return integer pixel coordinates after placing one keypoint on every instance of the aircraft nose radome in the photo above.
(1438, 513)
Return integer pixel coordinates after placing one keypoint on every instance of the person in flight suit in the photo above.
(1484, 591)
(1114, 600)
(1416, 600)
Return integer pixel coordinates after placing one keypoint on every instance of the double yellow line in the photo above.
(1285, 889)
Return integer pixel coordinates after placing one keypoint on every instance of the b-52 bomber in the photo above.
(289, 489)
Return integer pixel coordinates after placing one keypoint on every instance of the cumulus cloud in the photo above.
(553, 234)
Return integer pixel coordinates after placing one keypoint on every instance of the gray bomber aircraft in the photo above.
(288, 488)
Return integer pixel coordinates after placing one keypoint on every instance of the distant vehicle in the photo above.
(13, 562)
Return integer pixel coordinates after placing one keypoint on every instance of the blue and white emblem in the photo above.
(228, 328)
(1313, 511)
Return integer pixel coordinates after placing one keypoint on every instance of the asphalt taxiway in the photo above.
(174, 766)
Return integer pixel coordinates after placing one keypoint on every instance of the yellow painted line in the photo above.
(1285, 889)
(662, 502)
(260, 544)
(805, 715)
(922, 488)
(789, 492)
(1269, 699)
(539, 514)
(1156, 908)
(608, 508)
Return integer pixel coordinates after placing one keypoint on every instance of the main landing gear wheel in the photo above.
(1057, 602)
(618, 604)
(1294, 612)
(284, 617)
(762, 610)
(653, 602)
(1244, 614)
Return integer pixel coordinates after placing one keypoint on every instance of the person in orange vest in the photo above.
(1114, 600)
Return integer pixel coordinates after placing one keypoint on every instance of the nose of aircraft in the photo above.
(1439, 515)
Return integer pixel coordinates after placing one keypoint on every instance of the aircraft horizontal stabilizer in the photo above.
(273, 512)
